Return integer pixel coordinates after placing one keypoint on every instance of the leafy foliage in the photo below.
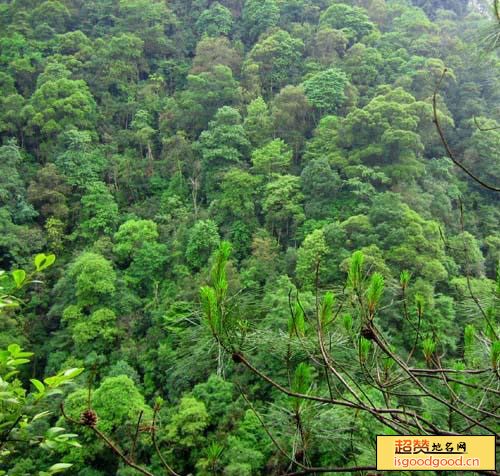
(252, 210)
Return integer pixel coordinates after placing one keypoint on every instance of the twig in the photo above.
(305, 469)
(240, 358)
(157, 448)
(268, 432)
(435, 397)
(5, 436)
(419, 311)
(134, 443)
(484, 129)
(108, 442)
(451, 155)
(466, 257)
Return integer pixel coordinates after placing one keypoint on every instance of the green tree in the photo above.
(309, 258)
(223, 144)
(17, 242)
(430, 7)
(237, 197)
(12, 189)
(365, 67)
(323, 143)
(282, 205)
(188, 423)
(290, 111)
(258, 16)
(320, 184)
(131, 236)
(22, 59)
(258, 124)
(278, 57)
(203, 240)
(273, 158)
(482, 154)
(466, 251)
(215, 21)
(137, 248)
(89, 281)
(57, 106)
(325, 90)
(94, 333)
(99, 212)
(247, 451)
(216, 394)
(206, 93)
(116, 402)
(53, 14)
(384, 133)
(11, 122)
(81, 162)
(212, 51)
(153, 22)
(353, 21)
(49, 192)
(330, 45)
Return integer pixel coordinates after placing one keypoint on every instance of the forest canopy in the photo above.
(244, 237)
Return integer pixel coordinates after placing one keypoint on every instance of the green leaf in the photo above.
(14, 401)
(365, 346)
(375, 291)
(14, 349)
(55, 391)
(327, 309)
(17, 362)
(48, 445)
(39, 259)
(48, 262)
(10, 374)
(72, 373)
(59, 468)
(73, 443)
(19, 276)
(66, 436)
(347, 322)
(43, 261)
(40, 415)
(296, 323)
(55, 429)
(355, 274)
(39, 385)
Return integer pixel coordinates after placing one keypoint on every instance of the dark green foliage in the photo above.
(281, 156)
(258, 16)
(353, 21)
(12, 188)
(203, 240)
(277, 56)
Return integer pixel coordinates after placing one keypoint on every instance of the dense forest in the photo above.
(244, 237)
